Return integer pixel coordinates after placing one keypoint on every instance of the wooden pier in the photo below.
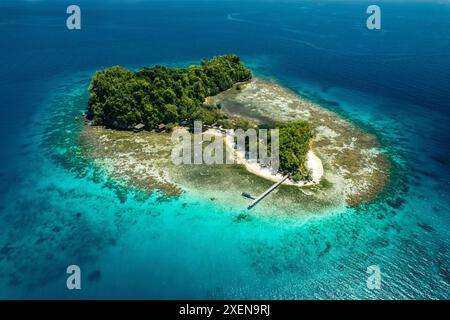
(266, 193)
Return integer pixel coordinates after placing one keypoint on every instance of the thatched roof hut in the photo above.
(139, 127)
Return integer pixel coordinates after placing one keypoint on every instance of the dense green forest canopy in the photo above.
(121, 99)
(295, 139)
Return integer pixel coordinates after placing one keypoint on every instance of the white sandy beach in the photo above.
(314, 164)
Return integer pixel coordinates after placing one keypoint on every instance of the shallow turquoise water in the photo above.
(57, 209)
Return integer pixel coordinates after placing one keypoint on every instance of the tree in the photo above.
(121, 99)
(170, 113)
(294, 146)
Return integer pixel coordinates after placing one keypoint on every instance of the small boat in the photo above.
(248, 195)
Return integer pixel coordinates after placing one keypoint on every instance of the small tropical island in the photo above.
(330, 159)
(165, 98)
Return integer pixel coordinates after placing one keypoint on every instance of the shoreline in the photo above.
(347, 165)
(314, 164)
(357, 167)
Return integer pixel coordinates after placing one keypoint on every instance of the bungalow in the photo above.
(139, 127)
(160, 127)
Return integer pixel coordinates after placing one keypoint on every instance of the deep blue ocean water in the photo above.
(55, 211)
